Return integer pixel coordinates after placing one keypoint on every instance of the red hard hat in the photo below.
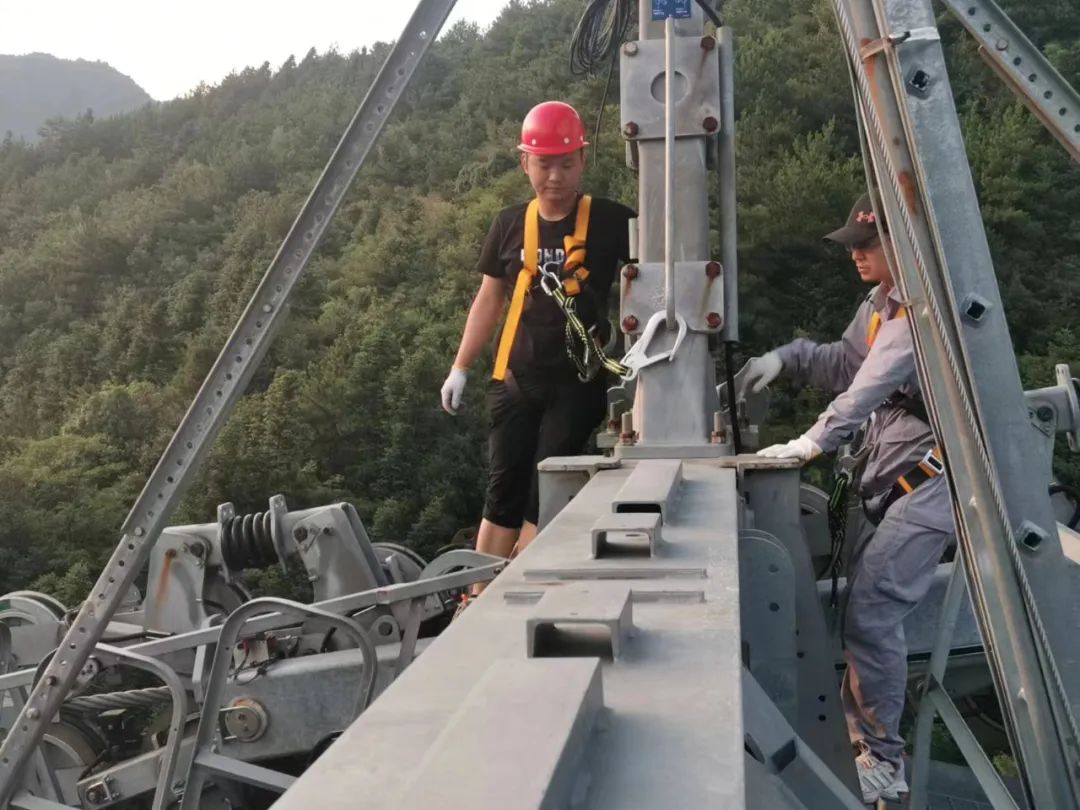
(552, 128)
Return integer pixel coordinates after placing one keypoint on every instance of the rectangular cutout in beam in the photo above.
(583, 619)
(626, 535)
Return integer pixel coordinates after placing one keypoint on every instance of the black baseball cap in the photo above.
(861, 225)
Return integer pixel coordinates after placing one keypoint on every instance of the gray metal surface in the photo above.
(697, 87)
(767, 611)
(208, 736)
(972, 387)
(772, 505)
(462, 771)
(697, 294)
(626, 533)
(671, 701)
(657, 420)
(653, 486)
(729, 237)
(1023, 68)
(223, 386)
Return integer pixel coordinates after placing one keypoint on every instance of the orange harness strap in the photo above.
(875, 324)
(574, 259)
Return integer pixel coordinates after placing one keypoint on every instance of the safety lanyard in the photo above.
(574, 260)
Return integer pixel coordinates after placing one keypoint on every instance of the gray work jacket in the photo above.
(865, 373)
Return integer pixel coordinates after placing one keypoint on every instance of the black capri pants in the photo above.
(533, 419)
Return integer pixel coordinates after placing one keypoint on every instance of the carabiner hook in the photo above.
(636, 359)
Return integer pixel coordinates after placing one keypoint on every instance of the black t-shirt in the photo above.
(540, 344)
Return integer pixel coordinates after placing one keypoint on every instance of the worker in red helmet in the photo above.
(540, 402)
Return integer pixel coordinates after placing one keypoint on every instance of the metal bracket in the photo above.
(697, 88)
(699, 295)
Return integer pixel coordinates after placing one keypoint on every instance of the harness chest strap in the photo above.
(931, 464)
(575, 248)
(875, 324)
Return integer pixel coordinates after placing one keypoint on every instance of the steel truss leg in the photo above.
(1006, 529)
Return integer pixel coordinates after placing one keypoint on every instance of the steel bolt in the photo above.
(712, 320)
(710, 124)
(299, 534)
(327, 529)
(95, 795)
(630, 272)
(712, 269)
(1002, 44)
(630, 130)
(1045, 413)
(51, 680)
(629, 323)
(708, 43)
(33, 714)
(630, 49)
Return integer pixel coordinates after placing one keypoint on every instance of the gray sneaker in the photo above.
(878, 779)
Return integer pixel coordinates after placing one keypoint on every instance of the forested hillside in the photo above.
(129, 246)
(36, 88)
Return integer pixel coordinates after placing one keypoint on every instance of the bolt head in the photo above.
(33, 714)
(299, 533)
(629, 323)
(708, 43)
(630, 49)
(710, 124)
(630, 272)
(712, 320)
(1045, 413)
(630, 130)
(51, 680)
(712, 269)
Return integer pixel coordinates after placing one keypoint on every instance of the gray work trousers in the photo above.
(887, 576)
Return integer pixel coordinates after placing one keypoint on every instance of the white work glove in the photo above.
(452, 390)
(759, 372)
(803, 448)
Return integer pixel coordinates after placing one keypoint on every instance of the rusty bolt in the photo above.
(708, 43)
(630, 272)
(629, 323)
(710, 124)
(712, 269)
(712, 320)
(630, 49)
(630, 130)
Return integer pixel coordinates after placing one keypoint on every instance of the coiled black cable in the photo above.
(599, 33)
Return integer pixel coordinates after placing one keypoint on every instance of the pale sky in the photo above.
(169, 47)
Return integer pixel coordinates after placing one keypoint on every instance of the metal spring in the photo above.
(246, 541)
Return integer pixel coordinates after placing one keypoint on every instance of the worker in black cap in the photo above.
(902, 484)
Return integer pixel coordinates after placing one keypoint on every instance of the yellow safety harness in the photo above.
(931, 464)
(562, 289)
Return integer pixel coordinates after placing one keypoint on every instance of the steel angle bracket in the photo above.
(697, 88)
(220, 391)
(699, 295)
